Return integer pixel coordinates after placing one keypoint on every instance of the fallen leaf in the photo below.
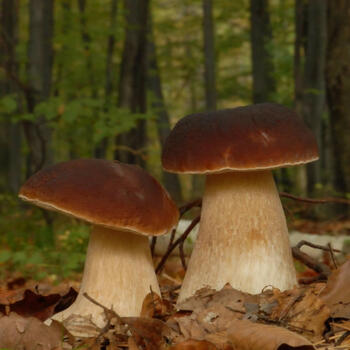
(153, 306)
(246, 335)
(192, 344)
(299, 309)
(27, 303)
(148, 333)
(336, 294)
(17, 332)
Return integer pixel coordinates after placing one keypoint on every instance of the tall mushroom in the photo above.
(243, 236)
(124, 204)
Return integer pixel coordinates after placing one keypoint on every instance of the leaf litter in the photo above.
(306, 317)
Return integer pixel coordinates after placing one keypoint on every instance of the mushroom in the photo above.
(243, 235)
(125, 205)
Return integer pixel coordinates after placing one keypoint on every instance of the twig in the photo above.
(107, 311)
(182, 255)
(317, 246)
(331, 253)
(342, 338)
(179, 240)
(153, 245)
(195, 203)
(307, 260)
(315, 200)
(183, 209)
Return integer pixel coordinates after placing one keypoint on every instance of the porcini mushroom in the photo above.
(243, 235)
(125, 205)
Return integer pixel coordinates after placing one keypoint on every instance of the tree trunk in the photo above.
(170, 180)
(132, 83)
(300, 22)
(338, 89)
(209, 56)
(263, 80)
(13, 136)
(101, 148)
(314, 81)
(40, 59)
(87, 43)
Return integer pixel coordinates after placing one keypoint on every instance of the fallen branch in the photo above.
(310, 262)
(176, 243)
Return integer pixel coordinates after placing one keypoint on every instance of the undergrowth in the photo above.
(36, 248)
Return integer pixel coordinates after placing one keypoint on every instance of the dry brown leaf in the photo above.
(192, 344)
(336, 294)
(299, 309)
(148, 333)
(246, 335)
(28, 303)
(220, 340)
(153, 306)
(17, 332)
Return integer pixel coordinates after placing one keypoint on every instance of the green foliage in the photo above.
(8, 104)
(26, 246)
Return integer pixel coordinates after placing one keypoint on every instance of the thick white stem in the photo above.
(118, 273)
(243, 236)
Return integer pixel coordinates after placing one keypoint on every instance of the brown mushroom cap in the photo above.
(261, 136)
(112, 194)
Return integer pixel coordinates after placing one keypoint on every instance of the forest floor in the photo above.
(315, 314)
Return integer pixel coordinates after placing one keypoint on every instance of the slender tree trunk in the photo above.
(101, 148)
(263, 80)
(314, 81)
(86, 38)
(40, 59)
(338, 89)
(170, 180)
(13, 136)
(300, 22)
(209, 56)
(132, 85)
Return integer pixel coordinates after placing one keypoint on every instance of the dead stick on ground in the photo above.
(307, 260)
(178, 241)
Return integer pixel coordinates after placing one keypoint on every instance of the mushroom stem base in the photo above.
(243, 236)
(118, 273)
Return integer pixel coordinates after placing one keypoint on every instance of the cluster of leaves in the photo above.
(29, 246)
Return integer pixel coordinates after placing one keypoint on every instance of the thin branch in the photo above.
(331, 253)
(153, 245)
(317, 246)
(310, 262)
(195, 203)
(183, 209)
(315, 200)
(182, 255)
(177, 242)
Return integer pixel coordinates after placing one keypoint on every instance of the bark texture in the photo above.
(338, 88)
(170, 180)
(263, 80)
(314, 81)
(132, 83)
(209, 56)
(10, 157)
(40, 60)
(101, 148)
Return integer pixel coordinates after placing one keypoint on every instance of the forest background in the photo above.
(109, 78)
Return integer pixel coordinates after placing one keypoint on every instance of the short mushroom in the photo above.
(243, 235)
(125, 205)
